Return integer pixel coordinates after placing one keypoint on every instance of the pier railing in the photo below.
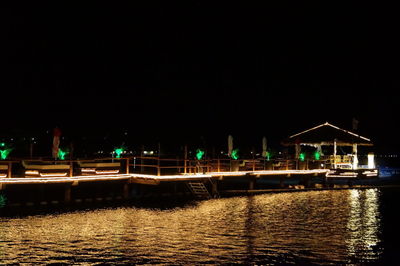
(160, 166)
(150, 165)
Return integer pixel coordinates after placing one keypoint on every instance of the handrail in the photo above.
(143, 164)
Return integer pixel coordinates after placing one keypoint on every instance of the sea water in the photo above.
(316, 227)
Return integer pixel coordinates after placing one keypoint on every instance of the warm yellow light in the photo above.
(355, 162)
(371, 173)
(63, 178)
(343, 174)
(106, 172)
(371, 161)
(99, 172)
(53, 174)
(88, 170)
(31, 172)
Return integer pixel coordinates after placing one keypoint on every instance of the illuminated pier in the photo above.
(312, 166)
(139, 178)
(207, 185)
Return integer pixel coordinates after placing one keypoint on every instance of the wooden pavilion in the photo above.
(330, 135)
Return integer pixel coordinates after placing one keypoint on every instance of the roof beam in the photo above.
(335, 127)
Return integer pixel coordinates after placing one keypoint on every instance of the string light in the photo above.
(327, 124)
(31, 172)
(62, 177)
(99, 172)
(53, 174)
(88, 170)
(106, 172)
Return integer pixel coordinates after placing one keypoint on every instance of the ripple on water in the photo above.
(312, 227)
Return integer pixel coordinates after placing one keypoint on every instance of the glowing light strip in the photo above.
(370, 172)
(327, 124)
(228, 173)
(165, 177)
(31, 172)
(106, 172)
(295, 135)
(58, 179)
(99, 172)
(28, 180)
(53, 174)
(3, 175)
(349, 173)
(341, 176)
(88, 170)
(285, 172)
(349, 132)
(271, 172)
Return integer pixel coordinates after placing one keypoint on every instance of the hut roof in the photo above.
(326, 134)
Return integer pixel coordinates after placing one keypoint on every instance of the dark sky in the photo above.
(200, 70)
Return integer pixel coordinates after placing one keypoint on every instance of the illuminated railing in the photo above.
(159, 166)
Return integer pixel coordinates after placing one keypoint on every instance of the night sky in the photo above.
(197, 71)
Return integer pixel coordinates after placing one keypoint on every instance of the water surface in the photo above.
(322, 227)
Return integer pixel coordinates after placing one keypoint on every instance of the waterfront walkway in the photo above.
(154, 179)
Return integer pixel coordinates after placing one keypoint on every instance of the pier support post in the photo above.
(125, 191)
(185, 159)
(158, 166)
(306, 181)
(334, 153)
(252, 183)
(282, 181)
(127, 166)
(214, 188)
(71, 169)
(9, 170)
(355, 158)
(67, 194)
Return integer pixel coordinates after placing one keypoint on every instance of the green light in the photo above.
(235, 154)
(4, 153)
(118, 151)
(2, 144)
(317, 155)
(61, 154)
(199, 154)
(302, 156)
(268, 155)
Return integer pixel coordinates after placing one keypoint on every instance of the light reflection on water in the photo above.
(315, 227)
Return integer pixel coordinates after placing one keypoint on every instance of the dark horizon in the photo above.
(197, 72)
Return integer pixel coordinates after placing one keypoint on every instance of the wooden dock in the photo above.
(205, 185)
(154, 179)
(72, 181)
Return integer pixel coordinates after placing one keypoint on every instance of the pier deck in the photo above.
(154, 179)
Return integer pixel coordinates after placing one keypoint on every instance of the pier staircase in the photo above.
(199, 190)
